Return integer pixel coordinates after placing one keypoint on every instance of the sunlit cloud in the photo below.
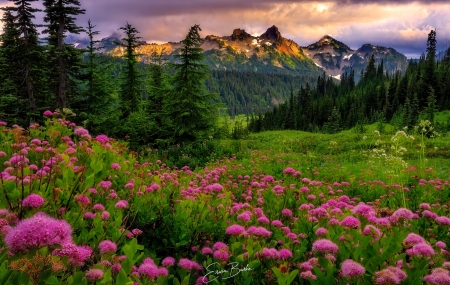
(403, 25)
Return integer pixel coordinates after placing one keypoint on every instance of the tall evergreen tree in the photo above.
(131, 86)
(60, 19)
(430, 61)
(30, 51)
(188, 105)
(333, 124)
(371, 70)
(431, 106)
(100, 87)
(11, 103)
(158, 81)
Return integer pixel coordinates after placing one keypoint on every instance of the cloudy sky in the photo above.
(400, 24)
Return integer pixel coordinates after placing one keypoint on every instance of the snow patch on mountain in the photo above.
(338, 77)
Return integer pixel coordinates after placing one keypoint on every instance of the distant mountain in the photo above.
(272, 53)
(336, 57)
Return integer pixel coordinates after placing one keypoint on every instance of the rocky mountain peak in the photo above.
(239, 35)
(272, 33)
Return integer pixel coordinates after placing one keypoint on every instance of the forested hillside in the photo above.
(379, 97)
(251, 92)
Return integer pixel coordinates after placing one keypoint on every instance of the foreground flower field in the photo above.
(76, 209)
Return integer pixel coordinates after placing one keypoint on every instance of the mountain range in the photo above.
(271, 53)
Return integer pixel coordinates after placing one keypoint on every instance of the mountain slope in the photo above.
(335, 57)
(272, 53)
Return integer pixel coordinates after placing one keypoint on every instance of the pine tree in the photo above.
(431, 106)
(131, 86)
(408, 114)
(60, 19)
(31, 53)
(98, 99)
(289, 122)
(333, 124)
(11, 103)
(188, 105)
(430, 61)
(371, 70)
(158, 81)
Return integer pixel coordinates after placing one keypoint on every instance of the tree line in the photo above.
(163, 102)
(378, 97)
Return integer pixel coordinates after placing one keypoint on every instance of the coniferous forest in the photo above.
(399, 99)
(168, 172)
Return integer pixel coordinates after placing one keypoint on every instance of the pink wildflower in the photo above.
(289, 171)
(105, 184)
(413, 238)
(321, 231)
(351, 268)
(48, 113)
(201, 280)
(103, 139)
(259, 231)
(99, 207)
(429, 214)
(189, 264)
(401, 213)
(33, 201)
(421, 249)
(168, 261)
(121, 204)
(115, 166)
(443, 220)
(107, 246)
(38, 231)
(206, 250)
(438, 276)
(89, 215)
(390, 275)
(269, 253)
(284, 254)
(277, 223)
(325, 246)
(245, 216)
(235, 230)
(148, 269)
(221, 254)
(94, 275)
(263, 219)
(220, 245)
(105, 215)
(82, 199)
(308, 275)
(286, 212)
(350, 222)
(372, 231)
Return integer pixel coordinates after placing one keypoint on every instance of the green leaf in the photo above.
(51, 280)
(280, 276)
(121, 278)
(186, 280)
(291, 277)
(254, 264)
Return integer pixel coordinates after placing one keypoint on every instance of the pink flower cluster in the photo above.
(149, 269)
(38, 231)
(325, 246)
(33, 201)
(351, 268)
(272, 253)
(390, 275)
